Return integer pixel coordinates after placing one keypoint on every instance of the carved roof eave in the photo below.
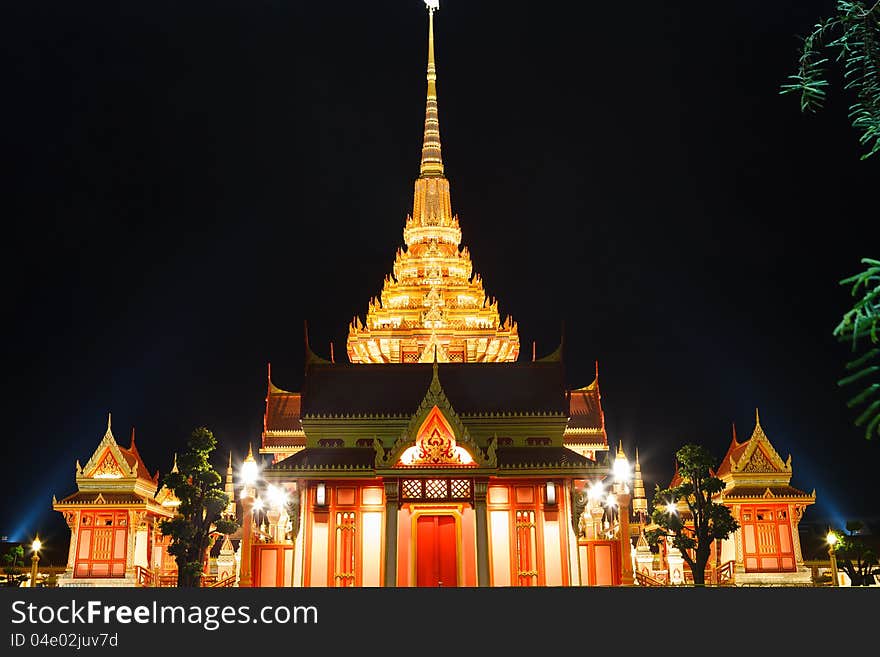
(766, 494)
(436, 397)
(319, 471)
(585, 431)
(143, 504)
(552, 469)
(404, 416)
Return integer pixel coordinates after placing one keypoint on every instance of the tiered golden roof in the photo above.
(432, 303)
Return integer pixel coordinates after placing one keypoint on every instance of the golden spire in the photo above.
(432, 160)
(433, 303)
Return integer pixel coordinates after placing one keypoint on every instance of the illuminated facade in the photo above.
(435, 457)
(114, 519)
(765, 549)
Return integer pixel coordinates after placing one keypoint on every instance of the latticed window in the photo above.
(345, 549)
(526, 548)
(436, 489)
(459, 489)
(411, 489)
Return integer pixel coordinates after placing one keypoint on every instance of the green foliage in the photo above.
(854, 33)
(861, 326)
(202, 501)
(854, 556)
(706, 521)
(13, 559)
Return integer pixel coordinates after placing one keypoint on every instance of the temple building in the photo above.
(114, 518)
(434, 457)
(765, 549)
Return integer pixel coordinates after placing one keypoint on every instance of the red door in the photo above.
(436, 551)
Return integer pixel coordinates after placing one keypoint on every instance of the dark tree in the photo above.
(861, 327)
(11, 568)
(852, 35)
(709, 521)
(854, 556)
(202, 501)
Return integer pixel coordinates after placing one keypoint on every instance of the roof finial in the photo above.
(432, 159)
(757, 418)
(132, 439)
(109, 418)
(174, 467)
(735, 441)
(250, 454)
(229, 467)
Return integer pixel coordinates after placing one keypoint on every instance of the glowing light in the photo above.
(596, 491)
(249, 469)
(622, 472)
(258, 504)
(671, 509)
(277, 496)
(611, 500)
(551, 493)
(36, 545)
(831, 538)
(321, 494)
(108, 475)
(432, 4)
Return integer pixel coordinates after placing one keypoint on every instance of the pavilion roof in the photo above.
(396, 390)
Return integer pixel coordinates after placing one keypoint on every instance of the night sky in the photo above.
(185, 183)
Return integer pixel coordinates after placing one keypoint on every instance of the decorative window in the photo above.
(526, 548)
(767, 540)
(410, 489)
(436, 490)
(330, 442)
(345, 549)
(102, 544)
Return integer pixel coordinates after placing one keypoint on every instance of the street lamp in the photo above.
(249, 471)
(831, 539)
(35, 559)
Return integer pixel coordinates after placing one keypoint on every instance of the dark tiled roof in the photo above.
(734, 453)
(398, 389)
(519, 457)
(328, 457)
(753, 491)
(585, 409)
(132, 456)
(283, 411)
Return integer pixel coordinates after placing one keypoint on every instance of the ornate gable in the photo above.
(760, 456)
(435, 437)
(107, 461)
